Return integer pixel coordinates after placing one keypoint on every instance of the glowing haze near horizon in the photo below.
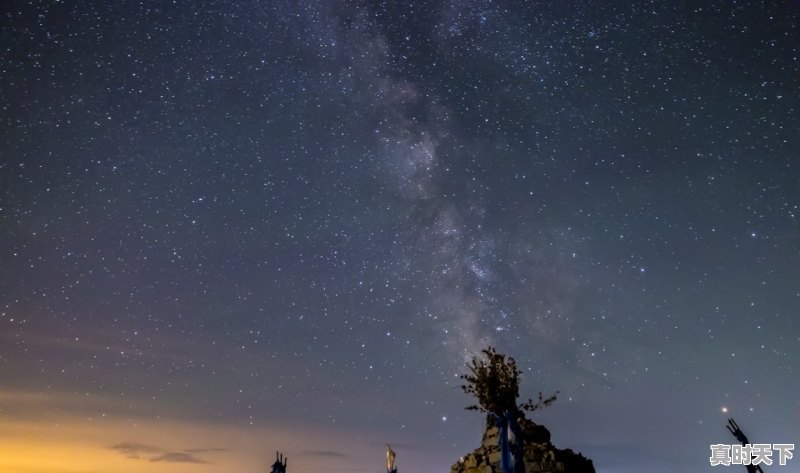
(231, 228)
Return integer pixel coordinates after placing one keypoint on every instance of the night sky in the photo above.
(231, 228)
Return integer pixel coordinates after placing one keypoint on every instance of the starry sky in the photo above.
(235, 227)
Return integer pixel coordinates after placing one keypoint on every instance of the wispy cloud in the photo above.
(205, 450)
(324, 453)
(177, 457)
(135, 450)
(159, 454)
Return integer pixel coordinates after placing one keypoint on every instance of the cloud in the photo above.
(135, 450)
(159, 454)
(324, 453)
(205, 450)
(177, 457)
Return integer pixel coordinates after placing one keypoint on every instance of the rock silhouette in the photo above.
(540, 456)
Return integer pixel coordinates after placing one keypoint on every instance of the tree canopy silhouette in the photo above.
(494, 381)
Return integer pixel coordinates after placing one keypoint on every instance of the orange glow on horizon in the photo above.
(82, 446)
(42, 437)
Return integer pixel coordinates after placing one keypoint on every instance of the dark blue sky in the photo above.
(308, 215)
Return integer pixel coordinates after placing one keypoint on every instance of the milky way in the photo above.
(288, 224)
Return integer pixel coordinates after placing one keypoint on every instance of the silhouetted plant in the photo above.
(494, 381)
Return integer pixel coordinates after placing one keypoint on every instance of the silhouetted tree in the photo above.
(494, 381)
